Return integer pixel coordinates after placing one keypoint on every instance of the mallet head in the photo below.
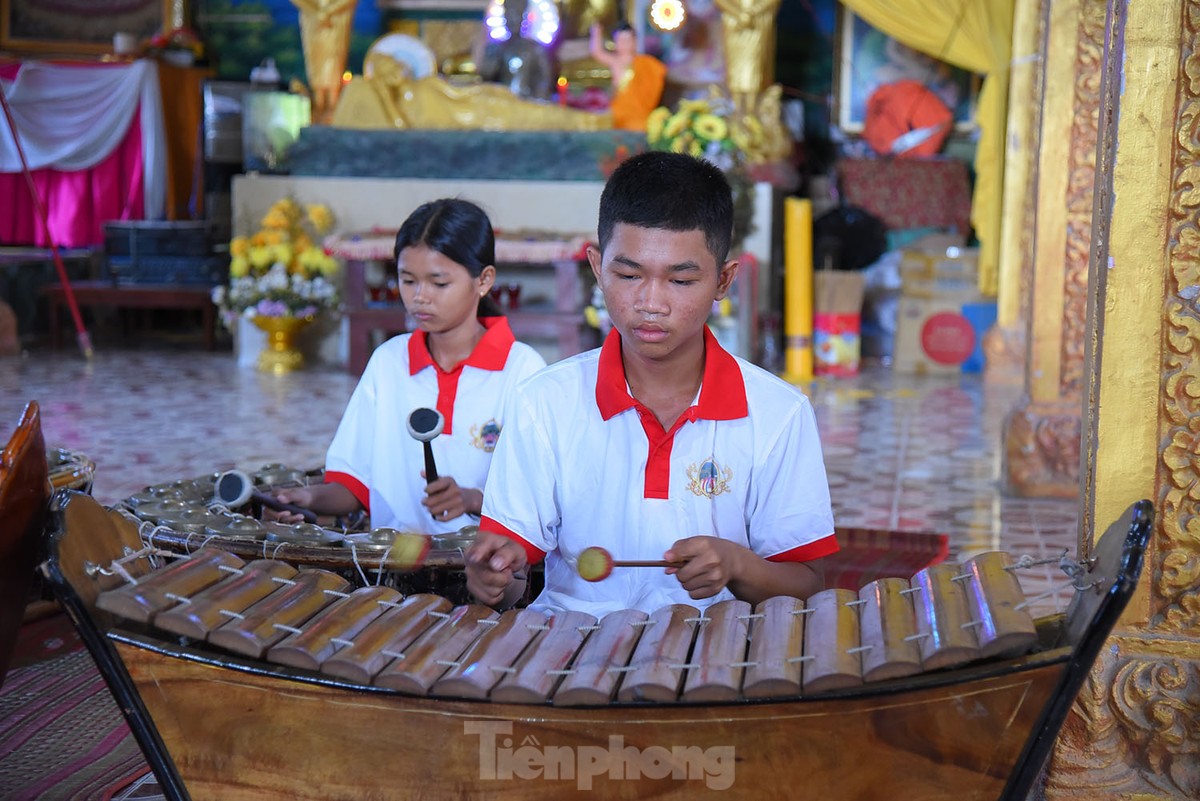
(425, 424)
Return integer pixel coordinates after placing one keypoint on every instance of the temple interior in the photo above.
(966, 229)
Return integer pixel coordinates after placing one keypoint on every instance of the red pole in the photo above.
(85, 341)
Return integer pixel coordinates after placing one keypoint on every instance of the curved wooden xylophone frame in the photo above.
(238, 726)
(24, 493)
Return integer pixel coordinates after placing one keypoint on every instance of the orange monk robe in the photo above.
(639, 94)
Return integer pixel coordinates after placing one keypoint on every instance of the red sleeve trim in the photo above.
(809, 551)
(357, 488)
(533, 553)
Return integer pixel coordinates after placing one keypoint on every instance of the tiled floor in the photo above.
(906, 453)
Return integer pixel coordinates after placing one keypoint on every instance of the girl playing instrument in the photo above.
(462, 360)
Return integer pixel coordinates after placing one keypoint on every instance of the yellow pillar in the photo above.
(1042, 434)
(798, 290)
(1134, 732)
(1005, 344)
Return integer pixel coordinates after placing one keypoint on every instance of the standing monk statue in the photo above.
(749, 32)
(325, 35)
(637, 79)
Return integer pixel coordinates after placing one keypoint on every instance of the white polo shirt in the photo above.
(582, 463)
(374, 456)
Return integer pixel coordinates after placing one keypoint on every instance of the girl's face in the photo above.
(440, 294)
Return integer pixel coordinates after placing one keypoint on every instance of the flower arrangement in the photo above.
(281, 270)
(706, 128)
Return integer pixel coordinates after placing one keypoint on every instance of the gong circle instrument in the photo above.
(206, 511)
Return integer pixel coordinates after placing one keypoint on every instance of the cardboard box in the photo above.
(941, 317)
(941, 336)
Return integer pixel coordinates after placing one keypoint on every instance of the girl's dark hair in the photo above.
(460, 231)
(670, 191)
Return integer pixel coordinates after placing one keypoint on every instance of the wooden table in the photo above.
(134, 296)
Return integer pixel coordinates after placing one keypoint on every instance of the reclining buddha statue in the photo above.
(388, 96)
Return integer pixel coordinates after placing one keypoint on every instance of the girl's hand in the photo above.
(445, 500)
(297, 496)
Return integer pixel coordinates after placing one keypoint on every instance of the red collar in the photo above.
(490, 353)
(722, 390)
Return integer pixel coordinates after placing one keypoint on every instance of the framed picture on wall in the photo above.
(868, 59)
(78, 27)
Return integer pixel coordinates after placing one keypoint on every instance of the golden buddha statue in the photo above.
(392, 98)
(325, 36)
(748, 28)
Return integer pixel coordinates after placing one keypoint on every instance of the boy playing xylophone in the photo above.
(660, 444)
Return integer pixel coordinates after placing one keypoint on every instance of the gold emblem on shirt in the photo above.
(486, 436)
(708, 478)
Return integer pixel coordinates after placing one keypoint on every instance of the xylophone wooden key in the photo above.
(488, 659)
(333, 628)
(276, 616)
(386, 637)
(544, 663)
(831, 639)
(1004, 626)
(775, 656)
(215, 605)
(656, 669)
(889, 630)
(595, 673)
(718, 658)
(437, 649)
(161, 589)
(947, 635)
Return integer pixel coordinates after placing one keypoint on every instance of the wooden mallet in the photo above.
(596, 564)
(235, 488)
(425, 424)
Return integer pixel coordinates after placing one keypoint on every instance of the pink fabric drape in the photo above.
(77, 202)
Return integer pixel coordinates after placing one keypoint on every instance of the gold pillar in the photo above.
(1042, 434)
(1005, 344)
(1134, 732)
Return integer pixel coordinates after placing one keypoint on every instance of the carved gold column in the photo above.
(1042, 434)
(1134, 732)
(1004, 345)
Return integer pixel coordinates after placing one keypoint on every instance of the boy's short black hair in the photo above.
(669, 191)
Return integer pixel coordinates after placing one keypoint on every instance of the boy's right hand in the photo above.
(297, 496)
(491, 563)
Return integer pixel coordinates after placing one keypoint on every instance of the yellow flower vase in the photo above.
(280, 354)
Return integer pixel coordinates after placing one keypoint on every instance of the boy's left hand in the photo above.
(710, 564)
(445, 500)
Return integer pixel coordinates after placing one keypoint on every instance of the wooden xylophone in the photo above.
(946, 615)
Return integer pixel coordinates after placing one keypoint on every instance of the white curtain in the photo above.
(71, 117)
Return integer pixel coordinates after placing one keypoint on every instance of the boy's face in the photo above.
(659, 286)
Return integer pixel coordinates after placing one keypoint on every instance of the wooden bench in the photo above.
(134, 296)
